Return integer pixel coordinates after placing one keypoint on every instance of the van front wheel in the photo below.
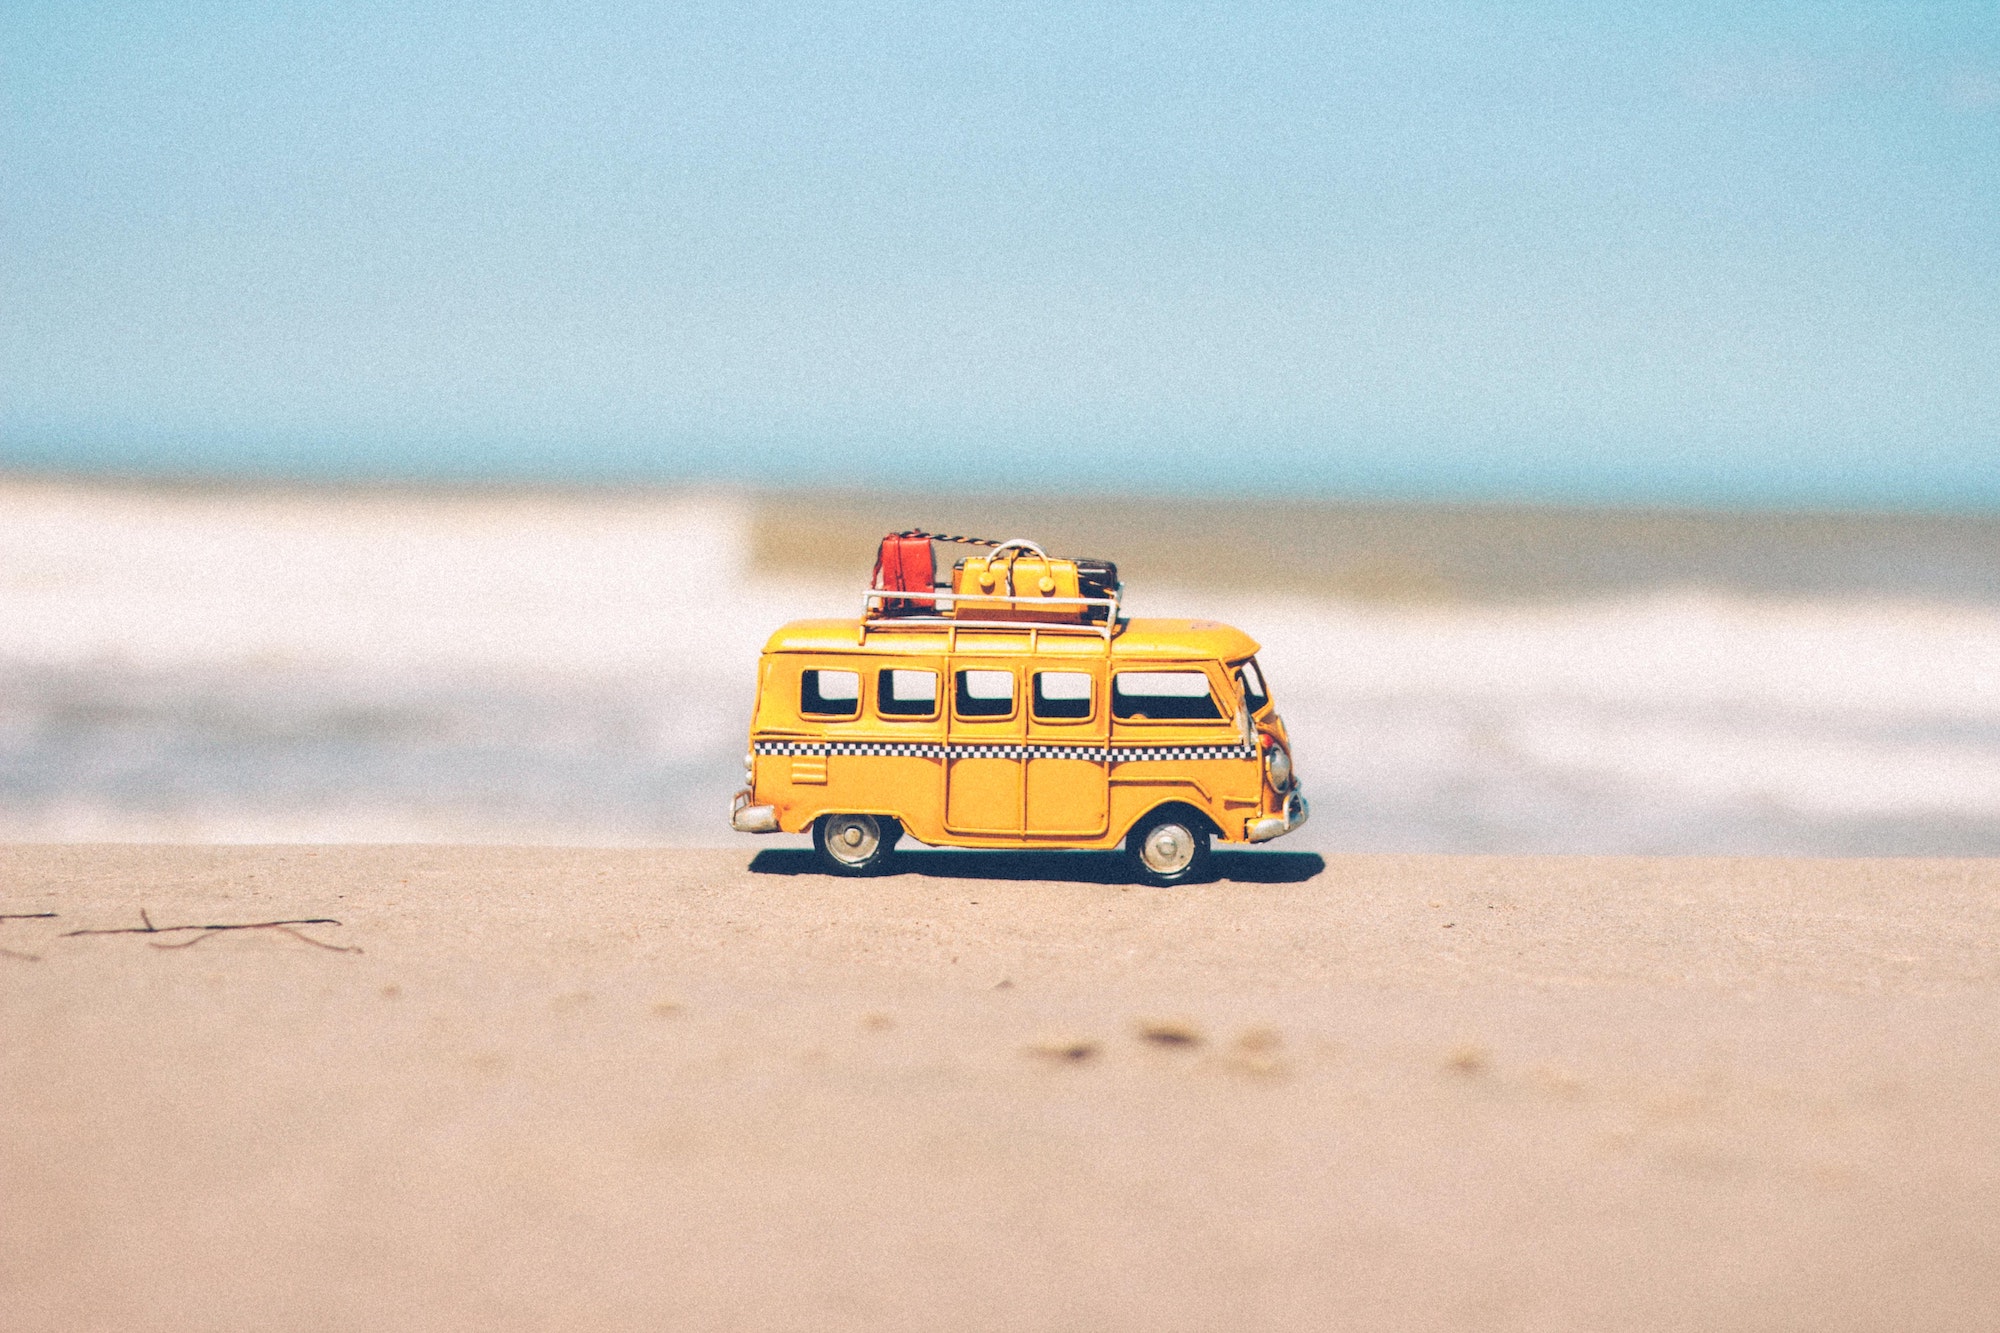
(1169, 847)
(855, 844)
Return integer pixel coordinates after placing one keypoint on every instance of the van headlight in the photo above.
(1277, 763)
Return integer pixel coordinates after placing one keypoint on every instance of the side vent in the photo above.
(809, 769)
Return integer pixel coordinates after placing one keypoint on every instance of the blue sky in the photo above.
(1714, 253)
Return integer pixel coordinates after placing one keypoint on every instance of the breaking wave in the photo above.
(390, 667)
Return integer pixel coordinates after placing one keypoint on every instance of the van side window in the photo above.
(1062, 696)
(985, 693)
(1180, 696)
(825, 693)
(900, 693)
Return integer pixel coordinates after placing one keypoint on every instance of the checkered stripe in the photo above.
(1116, 754)
(915, 749)
(1128, 753)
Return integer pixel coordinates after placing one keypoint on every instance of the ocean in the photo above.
(190, 663)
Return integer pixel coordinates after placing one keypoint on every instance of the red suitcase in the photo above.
(903, 564)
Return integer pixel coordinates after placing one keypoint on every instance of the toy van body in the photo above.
(990, 732)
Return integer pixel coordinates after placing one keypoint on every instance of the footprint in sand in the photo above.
(1170, 1034)
(1064, 1050)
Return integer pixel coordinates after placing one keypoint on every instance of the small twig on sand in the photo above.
(282, 927)
(23, 916)
(204, 932)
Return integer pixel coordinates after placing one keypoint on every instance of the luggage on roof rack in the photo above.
(903, 564)
(1015, 581)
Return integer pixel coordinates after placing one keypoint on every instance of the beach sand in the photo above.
(1417, 553)
(616, 1089)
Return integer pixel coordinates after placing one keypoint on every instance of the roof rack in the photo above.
(874, 616)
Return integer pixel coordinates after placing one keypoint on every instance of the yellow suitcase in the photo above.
(1024, 585)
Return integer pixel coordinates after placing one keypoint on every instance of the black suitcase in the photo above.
(1096, 578)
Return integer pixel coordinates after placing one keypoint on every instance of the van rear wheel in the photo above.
(855, 844)
(1169, 847)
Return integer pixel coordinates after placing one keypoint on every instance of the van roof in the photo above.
(1137, 638)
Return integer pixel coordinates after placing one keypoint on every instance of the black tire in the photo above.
(1169, 846)
(855, 844)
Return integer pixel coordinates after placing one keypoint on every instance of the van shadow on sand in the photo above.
(1236, 867)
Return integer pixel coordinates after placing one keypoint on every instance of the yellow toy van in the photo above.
(1015, 707)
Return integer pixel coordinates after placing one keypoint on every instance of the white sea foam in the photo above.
(386, 582)
(324, 667)
(1673, 722)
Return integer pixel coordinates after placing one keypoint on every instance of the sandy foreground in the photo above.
(707, 1089)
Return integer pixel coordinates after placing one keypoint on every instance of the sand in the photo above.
(668, 1089)
(1414, 552)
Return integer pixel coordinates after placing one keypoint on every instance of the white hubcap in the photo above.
(1168, 849)
(854, 838)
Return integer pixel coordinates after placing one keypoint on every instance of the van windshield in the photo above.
(1254, 693)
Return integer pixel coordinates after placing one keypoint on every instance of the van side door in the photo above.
(983, 765)
(1068, 762)
(1174, 727)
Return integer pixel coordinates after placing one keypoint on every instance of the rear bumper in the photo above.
(747, 818)
(1277, 826)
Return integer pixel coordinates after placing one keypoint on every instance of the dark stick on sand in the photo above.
(23, 916)
(204, 932)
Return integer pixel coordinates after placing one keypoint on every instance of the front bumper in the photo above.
(747, 818)
(1277, 826)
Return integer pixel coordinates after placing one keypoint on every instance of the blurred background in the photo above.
(415, 417)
